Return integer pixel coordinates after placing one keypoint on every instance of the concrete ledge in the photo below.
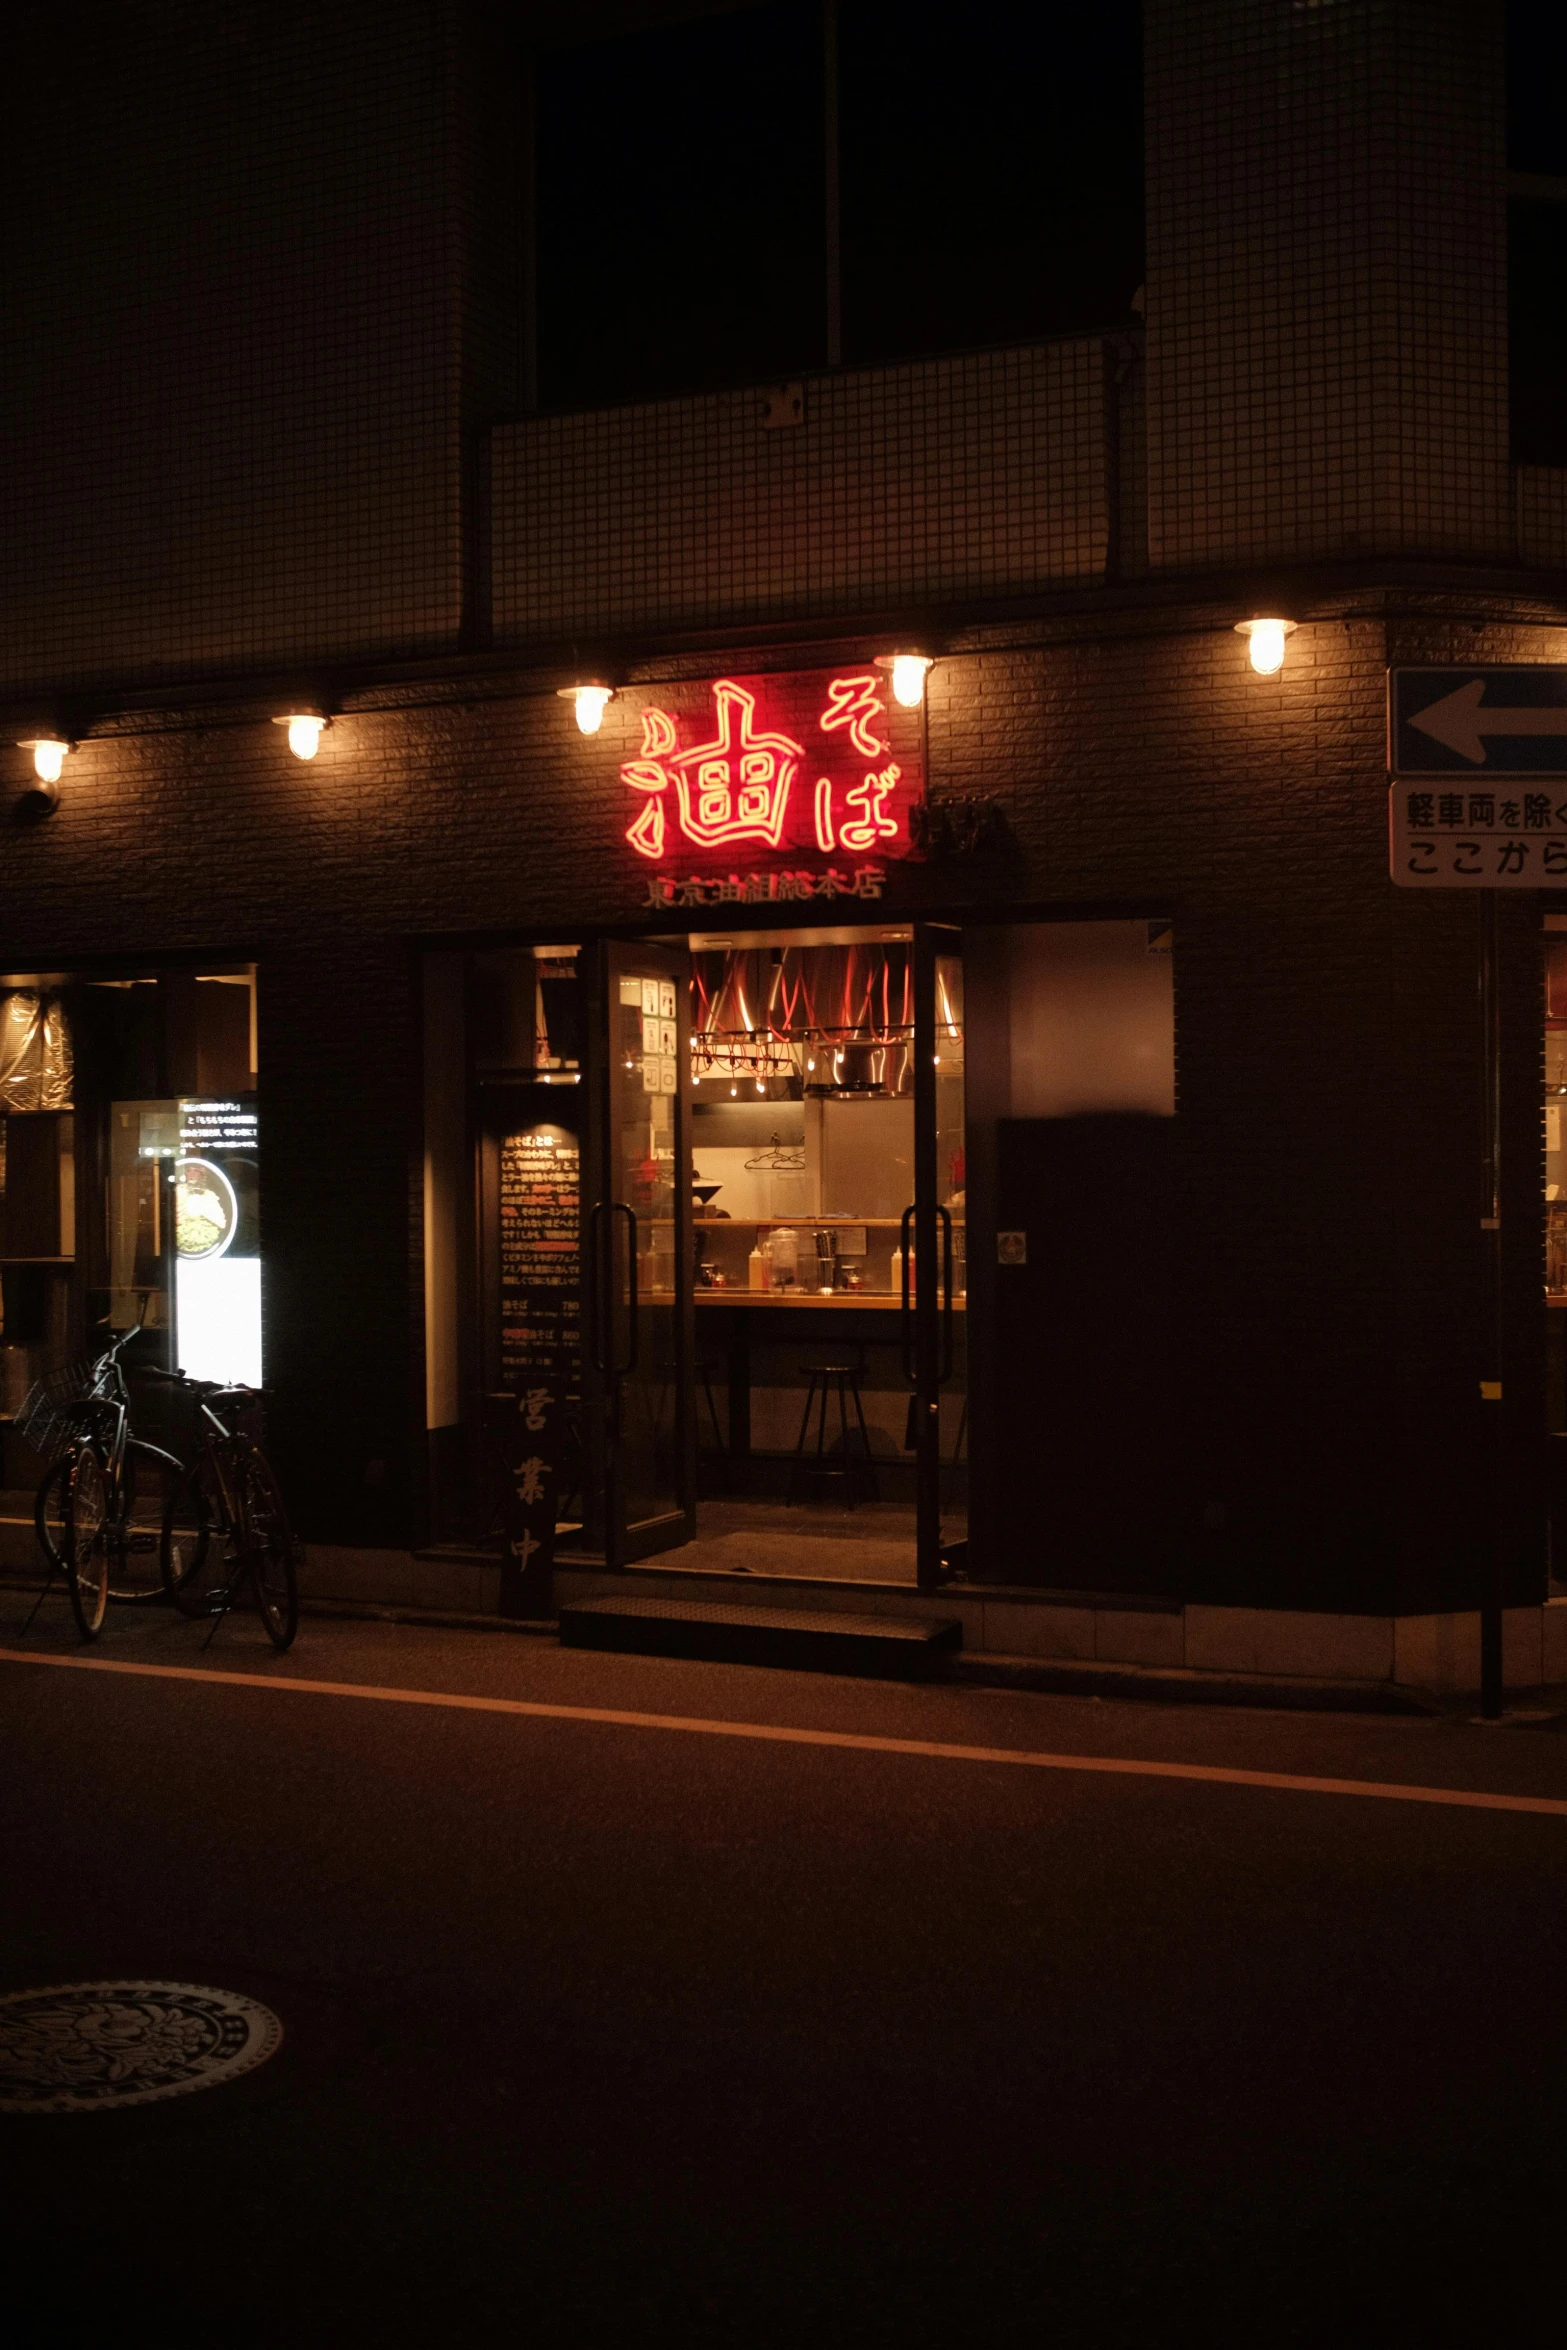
(1438, 1652)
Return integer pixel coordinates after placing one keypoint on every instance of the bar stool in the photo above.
(824, 1377)
(704, 1371)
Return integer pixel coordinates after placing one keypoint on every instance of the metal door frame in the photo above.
(612, 1335)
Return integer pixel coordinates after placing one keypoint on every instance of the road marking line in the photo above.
(854, 1741)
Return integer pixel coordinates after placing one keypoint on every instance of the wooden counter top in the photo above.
(835, 1301)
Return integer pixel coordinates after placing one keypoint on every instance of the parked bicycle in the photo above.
(100, 1509)
(225, 1524)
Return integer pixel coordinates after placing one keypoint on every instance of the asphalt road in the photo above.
(605, 2032)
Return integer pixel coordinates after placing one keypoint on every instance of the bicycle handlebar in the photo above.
(202, 1387)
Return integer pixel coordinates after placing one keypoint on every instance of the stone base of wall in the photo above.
(1422, 1652)
(1437, 1652)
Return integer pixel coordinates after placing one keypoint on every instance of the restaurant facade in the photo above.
(775, 988)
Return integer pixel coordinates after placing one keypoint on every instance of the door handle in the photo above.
(945, 1371)
(906, 1326)
(601, 1255)
(599, 1294)
(618, 1370)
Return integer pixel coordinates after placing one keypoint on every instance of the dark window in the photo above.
(1537, 332)
(681, 209)
(1537, 230)
(991, 190)
(992, 172)
(1537, 86)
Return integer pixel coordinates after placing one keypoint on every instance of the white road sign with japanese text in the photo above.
(1464, 835)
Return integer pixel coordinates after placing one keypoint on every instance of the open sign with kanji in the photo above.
(793, 785)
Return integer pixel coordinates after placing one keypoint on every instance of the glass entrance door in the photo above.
(638, 1254)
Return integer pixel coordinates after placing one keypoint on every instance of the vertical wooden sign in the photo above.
(533, 1455)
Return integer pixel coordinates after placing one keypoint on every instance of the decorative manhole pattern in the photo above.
(88, 2047)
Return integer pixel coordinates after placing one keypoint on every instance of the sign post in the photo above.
(1478, 800)
(1491, 1339)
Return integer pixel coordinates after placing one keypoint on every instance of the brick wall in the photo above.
(1326, 279)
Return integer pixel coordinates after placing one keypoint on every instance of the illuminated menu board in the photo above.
(217, 1240)
(540, 1253)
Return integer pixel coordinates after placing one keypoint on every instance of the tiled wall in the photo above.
(228, 379)
(955, 479)
(1541, 492)
(1326, 279)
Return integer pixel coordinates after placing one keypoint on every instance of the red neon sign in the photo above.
(801, 763)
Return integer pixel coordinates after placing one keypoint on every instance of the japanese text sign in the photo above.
(1499, 837)
(796, 778)
(1479, 761)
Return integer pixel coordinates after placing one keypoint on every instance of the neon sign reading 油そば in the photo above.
(783, 765)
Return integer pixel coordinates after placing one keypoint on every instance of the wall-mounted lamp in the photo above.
(305, 729)
(591, 700)
(49, 755)
(1267, 643)
(908, 676)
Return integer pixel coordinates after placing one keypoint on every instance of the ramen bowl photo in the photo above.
(205, 1209)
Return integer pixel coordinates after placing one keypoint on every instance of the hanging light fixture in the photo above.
(1266, 642)
(50, 752)
(908, 676)
(590, 699)
(305, 729)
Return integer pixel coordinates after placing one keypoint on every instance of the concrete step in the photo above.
(894, 1648)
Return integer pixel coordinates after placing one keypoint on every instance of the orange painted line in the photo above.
(852, 1741)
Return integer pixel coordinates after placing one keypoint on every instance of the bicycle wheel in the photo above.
(49, 1513)
(86, 1538)
(193, 1564)
(267, 1543)
(148, 1482)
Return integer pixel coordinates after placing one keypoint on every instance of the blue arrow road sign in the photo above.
(1493, 722)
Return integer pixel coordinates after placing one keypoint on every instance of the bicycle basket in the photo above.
(56, 1410)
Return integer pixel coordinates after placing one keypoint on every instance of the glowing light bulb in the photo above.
(590, 703)
(908, 679)
(1266, 644)
(48, 756)
(305, 728)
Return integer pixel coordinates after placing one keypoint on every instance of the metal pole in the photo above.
(1491, 1331)
(927, 1302)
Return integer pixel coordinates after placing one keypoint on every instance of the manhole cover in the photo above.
(83, 2047)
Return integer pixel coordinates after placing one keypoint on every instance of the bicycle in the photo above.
(225, 1523)
(100, 1508)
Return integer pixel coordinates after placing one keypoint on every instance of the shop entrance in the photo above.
(826, 1173)
(802, 1224)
